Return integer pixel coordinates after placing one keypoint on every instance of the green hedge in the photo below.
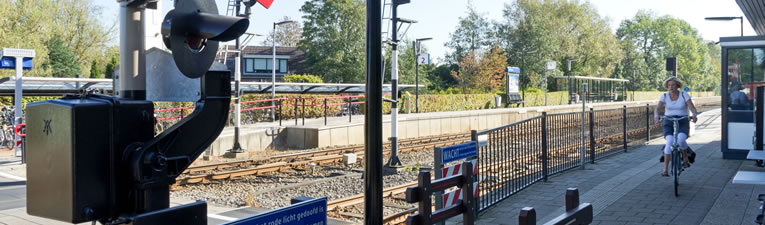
(428, 103)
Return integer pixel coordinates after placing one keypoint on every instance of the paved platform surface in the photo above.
(627, 188)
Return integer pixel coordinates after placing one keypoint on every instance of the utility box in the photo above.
(73, 143)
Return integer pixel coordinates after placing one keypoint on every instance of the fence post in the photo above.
(592, 136)
(624, 123)
(325, 112)
(350, 110)
(303, 112)
(474, 137)
(544, 146)
(280, 112)
(528, 216)
(295, 112)
(647, 122)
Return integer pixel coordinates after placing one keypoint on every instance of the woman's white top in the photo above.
(677, 107)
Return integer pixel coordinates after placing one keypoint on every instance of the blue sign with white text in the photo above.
(10, 63)
(311, 212)
(457, 152)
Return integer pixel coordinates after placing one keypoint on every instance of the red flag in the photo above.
(266, 3)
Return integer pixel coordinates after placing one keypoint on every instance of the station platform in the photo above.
(627, 188)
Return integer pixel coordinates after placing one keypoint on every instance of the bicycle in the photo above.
(676, 160)
(7, 137)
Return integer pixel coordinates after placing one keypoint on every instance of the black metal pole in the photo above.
(373, 123)
(325, 112)
(350, 110)
(394, 161)
(741, 18)
(280, 113)
(416, 80)
(237, 88)
(624, 125)
(544, 146)
(296, 118)
(592, 136)
(523, 85)
(647, 122)
(303, 112)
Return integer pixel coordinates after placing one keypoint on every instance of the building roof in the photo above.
(754, 10)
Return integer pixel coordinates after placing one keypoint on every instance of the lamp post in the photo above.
(394, 161)
(741, 18)
(273, 65)
(417, 73)
(523, 71)
(568, 74)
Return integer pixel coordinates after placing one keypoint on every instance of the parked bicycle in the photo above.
(7, 137)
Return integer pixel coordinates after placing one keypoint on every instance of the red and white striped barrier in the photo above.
(455, 170)
(450, 198)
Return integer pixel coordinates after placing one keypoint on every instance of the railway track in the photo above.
(280, 163)
(298, 163)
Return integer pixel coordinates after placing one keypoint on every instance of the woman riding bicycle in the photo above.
(675, 103)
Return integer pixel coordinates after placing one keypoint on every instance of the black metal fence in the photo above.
(521, 153)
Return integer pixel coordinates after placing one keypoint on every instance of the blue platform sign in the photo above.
(311, 212)
(457, 152)
(10, 63)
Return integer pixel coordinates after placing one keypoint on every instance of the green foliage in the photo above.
(471, 35)
(31, 24)
(558, 30)
(110, 66)
(287, 35)
(302, 78)
(61, 61)
(648, 39)
(334, 39)
(95, 70)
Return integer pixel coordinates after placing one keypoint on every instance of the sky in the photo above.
(438, 18)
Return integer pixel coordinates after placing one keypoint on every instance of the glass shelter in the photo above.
(598, 89)
(743, 70)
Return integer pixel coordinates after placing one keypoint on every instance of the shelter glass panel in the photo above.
(745, 73)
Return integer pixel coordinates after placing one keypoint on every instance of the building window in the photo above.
(261, 65)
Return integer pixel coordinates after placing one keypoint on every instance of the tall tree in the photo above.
(95, 70)
(472, 34)
(32, 23)
(287, 35)
(557, 30)
(111, 66)
(654, 38)
(493, 65)
(469, 68)
(61, 61)
(333, 39)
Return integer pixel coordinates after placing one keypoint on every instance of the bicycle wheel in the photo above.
(9, 139)
(675, 168)
(2, 138)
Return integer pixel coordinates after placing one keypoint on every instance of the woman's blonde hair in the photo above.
(675, 79)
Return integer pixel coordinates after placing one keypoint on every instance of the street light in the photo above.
(417, 73)
(273, 65)
(741, 18)
(523, 70)
(568, 73)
